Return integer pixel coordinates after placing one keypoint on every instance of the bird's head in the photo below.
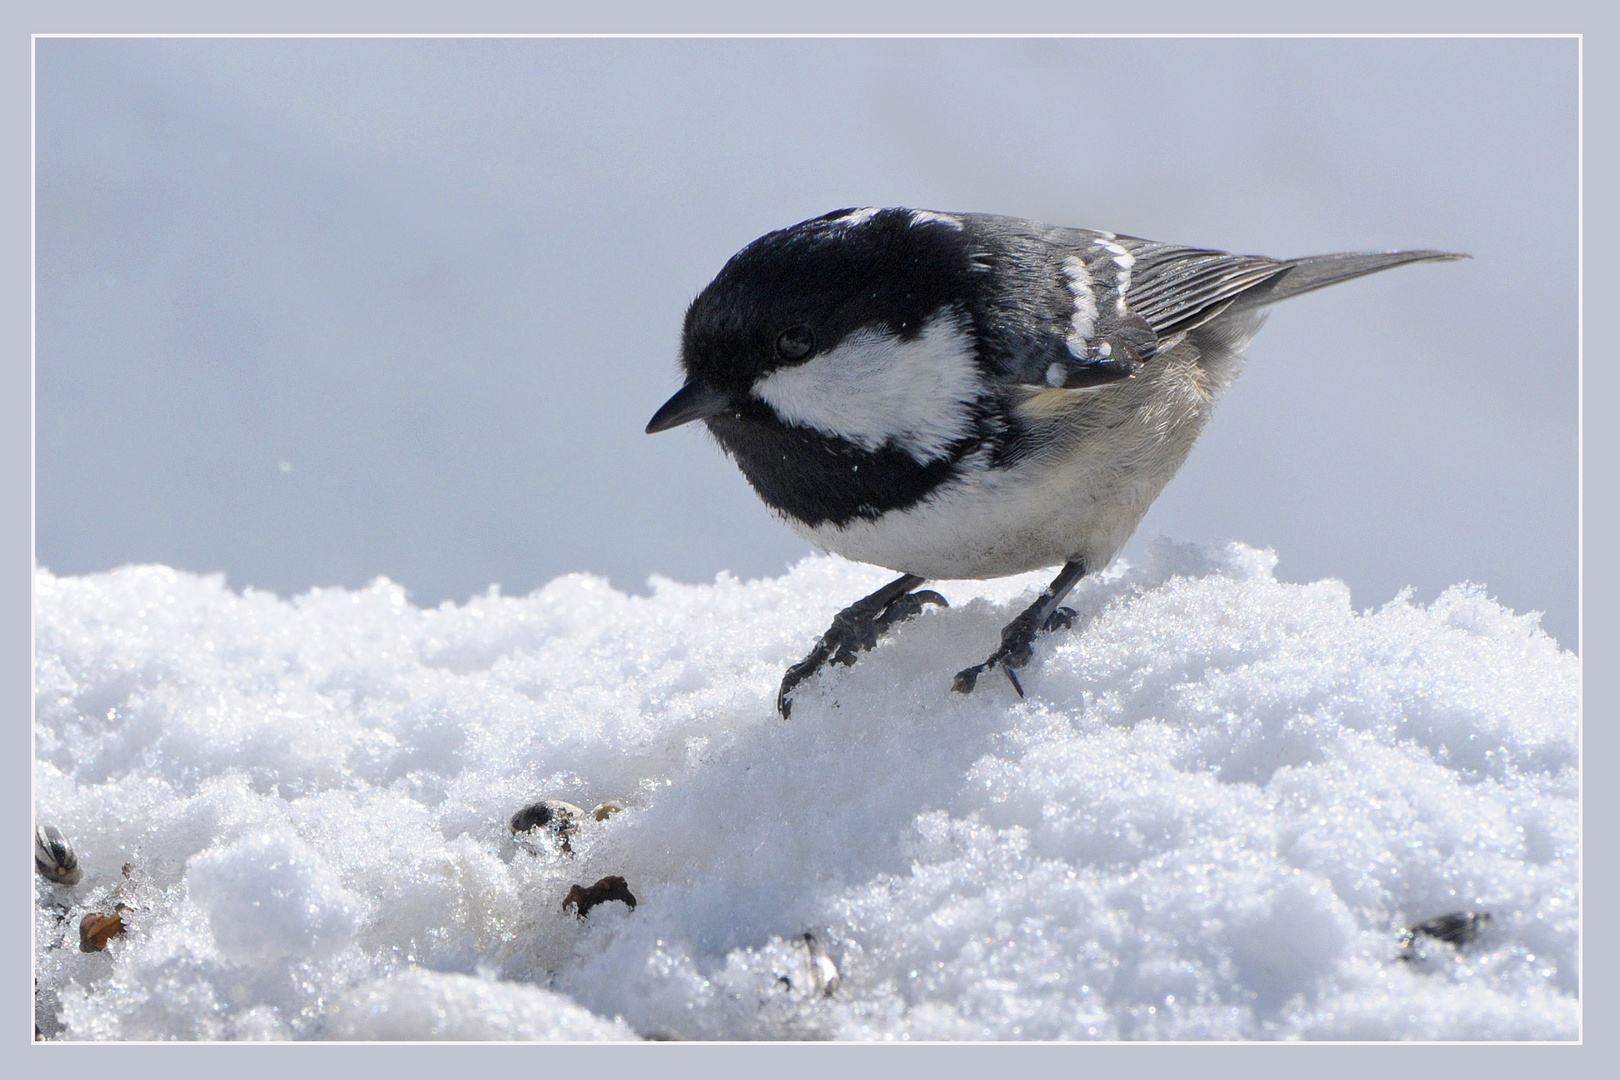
(853, 324)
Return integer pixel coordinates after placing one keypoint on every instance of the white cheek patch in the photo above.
(875, 388)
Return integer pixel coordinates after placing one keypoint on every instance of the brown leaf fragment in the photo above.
(609, 888)
(97, 929)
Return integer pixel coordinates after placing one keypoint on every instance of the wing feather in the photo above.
(1178, 288)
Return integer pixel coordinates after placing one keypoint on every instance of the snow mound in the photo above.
(1220, 803)
(419, 1004)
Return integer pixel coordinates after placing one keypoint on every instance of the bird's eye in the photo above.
(796, 343)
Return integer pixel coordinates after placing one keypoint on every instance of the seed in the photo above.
(560, 818)
(54, 857)
(547, 812)
(824, 973)
(1457, 928)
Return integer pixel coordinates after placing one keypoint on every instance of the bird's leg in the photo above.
(856, 629)
(1018, 637)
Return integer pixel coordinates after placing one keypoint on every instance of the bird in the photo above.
(968, 395)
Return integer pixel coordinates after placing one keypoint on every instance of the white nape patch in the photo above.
(1054, 375)
(1083, 323)
(875, 388)
(858, 217)
(924, 217)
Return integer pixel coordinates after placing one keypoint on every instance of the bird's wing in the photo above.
(1175, 289)
(1145, 294)
(1111, 303)
(1105, 304)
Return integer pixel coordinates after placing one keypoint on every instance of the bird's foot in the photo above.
(1017, 646)
(856, 629)
(1018, 637)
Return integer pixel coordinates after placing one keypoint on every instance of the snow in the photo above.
(1221, 802)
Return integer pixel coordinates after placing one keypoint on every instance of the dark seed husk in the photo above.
(553, 813)
(54, 857)
(1457, 928)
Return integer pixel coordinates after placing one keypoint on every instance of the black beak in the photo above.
(694, 401)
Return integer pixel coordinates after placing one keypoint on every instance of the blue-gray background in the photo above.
(310, 311)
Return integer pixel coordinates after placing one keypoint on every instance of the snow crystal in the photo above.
(1221, 802)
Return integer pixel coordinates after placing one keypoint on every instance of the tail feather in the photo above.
(1320, 271)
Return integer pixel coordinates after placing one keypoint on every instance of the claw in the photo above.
(798, 673)
(1018, 637)
(1012, 677)
(856, 629)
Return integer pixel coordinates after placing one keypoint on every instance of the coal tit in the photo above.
(968, 395)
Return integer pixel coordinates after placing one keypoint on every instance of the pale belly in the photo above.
(1110, 454)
